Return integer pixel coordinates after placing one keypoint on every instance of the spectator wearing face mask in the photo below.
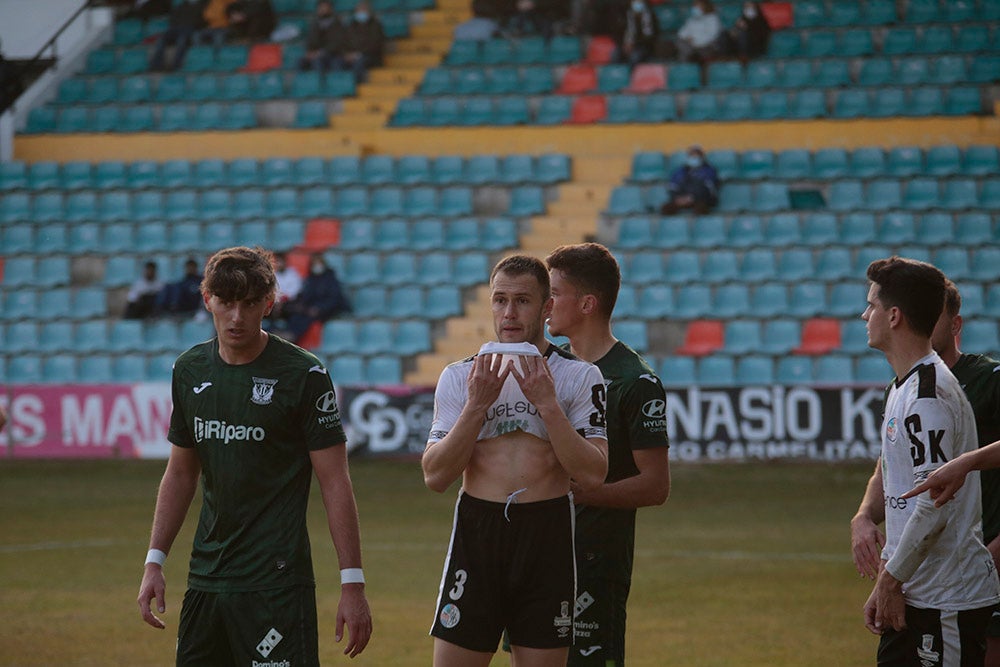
(638, 41)
(749, 36)
(701, 37)
(693, 186)
(322, 298)
(364, 43)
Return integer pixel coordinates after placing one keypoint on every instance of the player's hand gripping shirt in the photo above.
(253, 426)
(937, 552)
(579, 390)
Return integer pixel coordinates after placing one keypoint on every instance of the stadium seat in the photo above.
(973, 229)
(716, 371)
(795, 264)
(980, 335)
(578, 78)
(741, 337)
(677, 371)
(702, 337)
(654, 301)
(648, 78)
(693, 301)
(819, 336)
(934, 229)
(383, 369)
(588, 109)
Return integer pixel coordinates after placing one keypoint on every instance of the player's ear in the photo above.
(956, 325)
(589, 304)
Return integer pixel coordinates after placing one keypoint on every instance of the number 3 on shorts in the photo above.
(458, 591)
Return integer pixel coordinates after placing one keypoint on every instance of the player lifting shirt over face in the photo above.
(516, 423)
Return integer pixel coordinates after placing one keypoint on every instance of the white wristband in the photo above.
(156, 556)
(352, 575)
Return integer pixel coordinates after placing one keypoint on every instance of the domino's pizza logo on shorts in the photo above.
(450, 616)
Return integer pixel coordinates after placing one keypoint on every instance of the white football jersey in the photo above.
(937, 552)
(579, 388)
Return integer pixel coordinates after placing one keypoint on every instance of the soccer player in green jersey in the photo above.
(585, 280)
(254, 417)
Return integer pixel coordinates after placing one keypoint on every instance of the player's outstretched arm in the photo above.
(866, 538)
(330, 466)
(177, 488)
(945, 482)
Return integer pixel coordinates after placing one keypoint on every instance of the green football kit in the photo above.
(605, 537)
(979, 376)
(253, 427)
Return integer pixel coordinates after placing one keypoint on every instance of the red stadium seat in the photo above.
(648, 77)
(321, 234)
(313, 336)
(819, 336)
(589, 109)
(600, 50)
(263, 57)
(578, 79)
(778, 14)
(702, 337)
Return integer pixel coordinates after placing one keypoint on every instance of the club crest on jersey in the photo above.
(263, 391)
(890, 430)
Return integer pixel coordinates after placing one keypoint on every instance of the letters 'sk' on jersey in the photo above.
(253, 426)
(937, 552)
(579, 389)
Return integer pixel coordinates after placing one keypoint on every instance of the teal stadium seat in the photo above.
(677, 371)
(716, 371)
(794, 371)
(754, 369)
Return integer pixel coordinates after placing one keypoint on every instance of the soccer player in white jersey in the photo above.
(516, 431)
(937, 584)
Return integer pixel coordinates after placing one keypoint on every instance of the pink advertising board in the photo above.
(86, 421)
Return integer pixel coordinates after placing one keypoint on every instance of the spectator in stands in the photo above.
(750, 34)
(251, 20)
(484, 23)
(184, 296)
(364, 43)
(602, 17)
(142, 296)
(694, 185)
(321, 299)
(186, 19)
(216, 22)
(289, 286)
(642, 30)
(701, 37)
(323, 43)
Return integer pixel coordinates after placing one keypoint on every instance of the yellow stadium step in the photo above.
(412, 60)
(438, 46)
(396, 76)
(384, 91)
(360, 121)
(432, 31)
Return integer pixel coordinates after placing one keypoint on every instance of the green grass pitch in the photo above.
(746, 565)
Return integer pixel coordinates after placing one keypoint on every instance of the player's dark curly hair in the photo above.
(522, 265)
(592, 269)
(239, 274)
(916, 288)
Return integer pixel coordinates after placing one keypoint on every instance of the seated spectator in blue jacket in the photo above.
(694, 185)
(322, 298)
(144, 293)
(184, 296)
